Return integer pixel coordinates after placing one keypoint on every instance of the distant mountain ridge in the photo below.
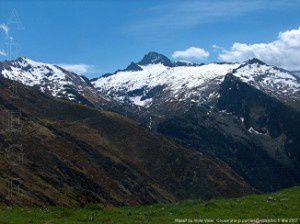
(198, 83)
(154, 74)
(51, 79)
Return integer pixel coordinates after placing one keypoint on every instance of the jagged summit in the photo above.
(152, 58)
(255, 61)
(22, 58)
(133, 67)
(27, 60)
(251, 62)
(155, 58)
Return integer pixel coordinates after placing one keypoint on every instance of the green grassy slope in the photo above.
(284, 205)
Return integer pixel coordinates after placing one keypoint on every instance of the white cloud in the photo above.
(191, 53)
(77, 68)
(217, 47)
(2, 53)
(5, 29)
(283, 52)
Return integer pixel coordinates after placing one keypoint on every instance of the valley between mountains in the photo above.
(156, 131)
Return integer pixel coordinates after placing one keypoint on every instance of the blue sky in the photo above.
(107, 35)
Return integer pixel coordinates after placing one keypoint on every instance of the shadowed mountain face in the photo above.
(254, 133)
(54, 152)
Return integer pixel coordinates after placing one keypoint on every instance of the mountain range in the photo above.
(245, 114)
(175, 130)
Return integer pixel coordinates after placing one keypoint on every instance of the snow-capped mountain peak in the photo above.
(172, 83)
(255, 61)
(34, 73)
(270, 79)
(49, 78)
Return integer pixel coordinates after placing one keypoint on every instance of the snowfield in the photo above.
(32, 73)
(49, 78)
(182, 82)
(194, 83)
(269, 79)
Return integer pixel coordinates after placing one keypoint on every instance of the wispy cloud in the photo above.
(283, 52)
(186, 14)
(5, 29)
(192, 53)
(2, 53)
(77, 68)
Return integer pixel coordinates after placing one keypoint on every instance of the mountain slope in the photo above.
(254, 133)
(73, 155)
(194, 105)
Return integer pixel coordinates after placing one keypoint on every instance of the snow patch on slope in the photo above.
(268, 78)
(253, 131)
